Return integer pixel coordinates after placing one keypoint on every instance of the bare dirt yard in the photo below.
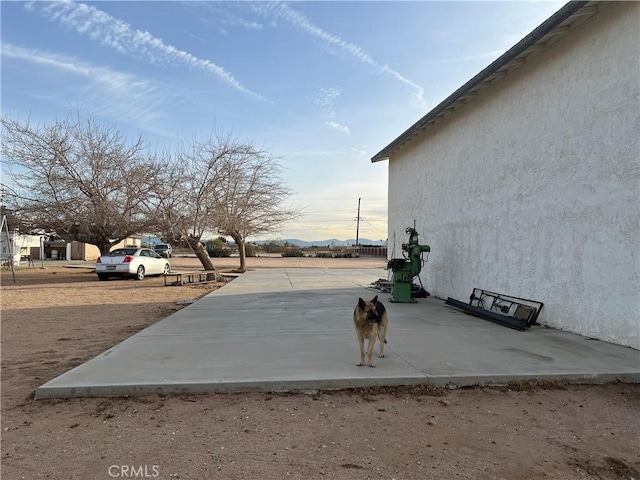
(56, 318)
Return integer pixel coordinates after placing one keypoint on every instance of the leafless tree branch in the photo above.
(82, 179)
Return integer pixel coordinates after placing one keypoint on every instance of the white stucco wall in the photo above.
(18, 244)
(533, 188)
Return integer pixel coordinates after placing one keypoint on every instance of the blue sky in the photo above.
(323, 85)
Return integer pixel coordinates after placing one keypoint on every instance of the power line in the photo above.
(376, 229)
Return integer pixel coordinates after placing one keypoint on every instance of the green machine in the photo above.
(405, 269)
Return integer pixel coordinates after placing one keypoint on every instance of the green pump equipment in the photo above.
(405, 269)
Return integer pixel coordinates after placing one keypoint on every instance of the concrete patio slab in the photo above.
(291, 329)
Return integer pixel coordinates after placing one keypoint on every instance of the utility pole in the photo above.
(358, 230)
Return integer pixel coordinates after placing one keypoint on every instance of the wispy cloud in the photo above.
(111, 32)
(113, 93)
(326, 99)
(336, 126)
(220, 13)
(299, 20)
(359, 151)
(245, 23)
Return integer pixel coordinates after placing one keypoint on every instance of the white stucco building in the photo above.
(526, 180)
(14, 246)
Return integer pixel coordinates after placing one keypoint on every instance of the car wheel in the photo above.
(140, 273)
(102, 277)
(166, 269)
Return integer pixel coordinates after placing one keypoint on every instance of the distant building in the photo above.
(87, 251)
(15, 246)
(526, 180)
(53, 248)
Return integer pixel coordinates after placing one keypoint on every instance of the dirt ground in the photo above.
(55, 318)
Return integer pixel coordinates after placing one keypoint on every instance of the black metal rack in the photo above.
(507, 310)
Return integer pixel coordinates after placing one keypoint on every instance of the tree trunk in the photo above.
(104, 245)
(203, 256)
(242, 251)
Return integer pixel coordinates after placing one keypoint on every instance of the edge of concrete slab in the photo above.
(224, 387)
(195, 351)
(296, 386)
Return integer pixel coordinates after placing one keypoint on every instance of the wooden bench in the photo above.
(190, 278)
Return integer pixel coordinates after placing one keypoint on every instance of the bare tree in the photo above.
(220, 185)
(14, 220)
(183, 201)
(86, 182)
(81, 179)
(250, 197)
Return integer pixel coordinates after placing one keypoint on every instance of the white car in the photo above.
(131, 262)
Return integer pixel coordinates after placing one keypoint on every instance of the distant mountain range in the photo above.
(324, 243)
(293, 241)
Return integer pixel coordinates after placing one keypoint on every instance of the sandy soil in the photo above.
(56, 318)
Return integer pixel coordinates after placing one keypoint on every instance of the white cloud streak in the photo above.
(299, 20)
(114, 93)
(111, 32)
(220, 14)
(246, 24)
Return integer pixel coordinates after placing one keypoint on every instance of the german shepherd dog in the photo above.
(370, 319)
